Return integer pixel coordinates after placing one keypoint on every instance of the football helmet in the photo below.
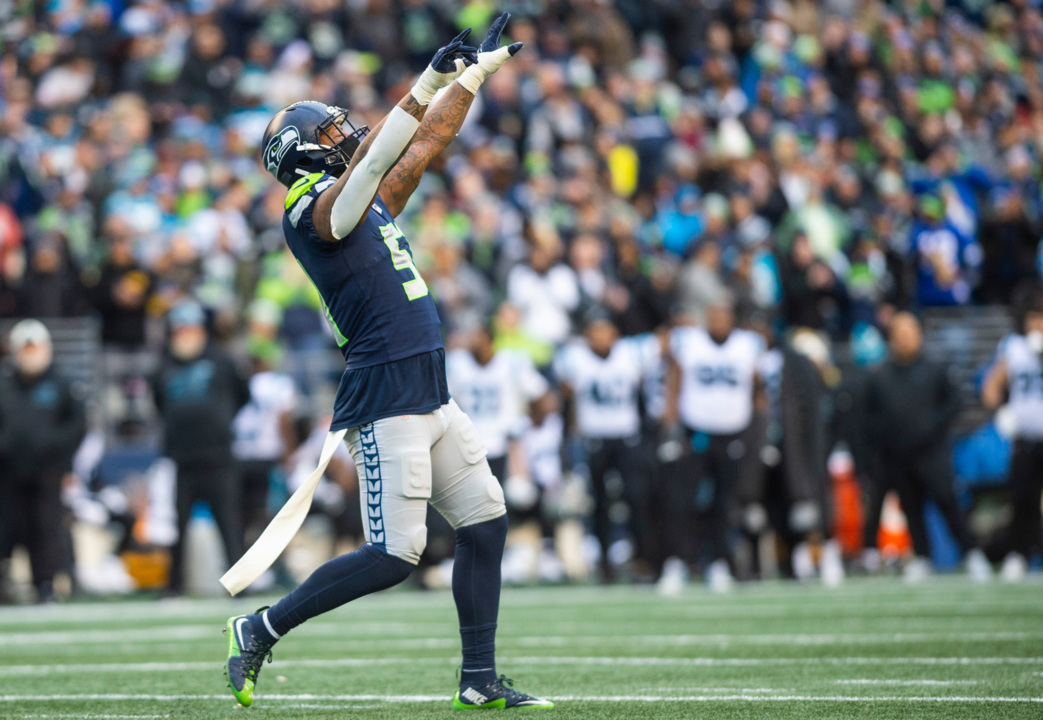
(309, 137)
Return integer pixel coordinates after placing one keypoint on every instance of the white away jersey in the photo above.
(1025, 373)
(716, 380)
(256, 427)
(495, 396)
(542, 445)
(606, 389)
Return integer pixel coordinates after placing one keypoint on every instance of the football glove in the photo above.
(490, 56)
(446, 66)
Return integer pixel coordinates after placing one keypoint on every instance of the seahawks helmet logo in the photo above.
(278, 146)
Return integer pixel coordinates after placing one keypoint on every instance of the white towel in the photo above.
(283, 526)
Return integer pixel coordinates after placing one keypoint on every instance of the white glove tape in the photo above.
(488, 63)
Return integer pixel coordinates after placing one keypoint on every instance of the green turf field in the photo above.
(871, 649)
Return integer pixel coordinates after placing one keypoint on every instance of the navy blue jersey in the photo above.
(379, 309)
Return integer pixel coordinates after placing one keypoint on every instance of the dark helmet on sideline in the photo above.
(309, 137)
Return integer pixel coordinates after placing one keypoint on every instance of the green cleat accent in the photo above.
(246, 654)
(498, 704)
(497, 695)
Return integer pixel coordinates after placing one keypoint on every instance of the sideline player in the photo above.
(495, 388)
(711, 386)
(411, 443)
(1018, 374)
(603, 375)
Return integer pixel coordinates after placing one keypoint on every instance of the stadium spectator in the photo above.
(947, 258)
(198, 392)
(544, 289)
(121, 291)
(42, 422)
(911, 404)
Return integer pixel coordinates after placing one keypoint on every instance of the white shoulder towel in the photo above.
(283, 526)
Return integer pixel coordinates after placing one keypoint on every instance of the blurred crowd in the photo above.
(698, 203)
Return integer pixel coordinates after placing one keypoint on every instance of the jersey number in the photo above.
(402, 260)
(724, 375)
(1027, 383)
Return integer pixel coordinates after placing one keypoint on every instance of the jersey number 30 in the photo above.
(402, 260)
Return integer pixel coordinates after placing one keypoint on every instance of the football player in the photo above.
(410, 441)
(711, 393)
(495, 387)
(603, 375)
(1017, 374)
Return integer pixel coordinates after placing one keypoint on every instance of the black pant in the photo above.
(626, 456)
(875, 488)
(218, 485)
(255, 478)
(706, 479)
(1026, 486)
(35, 519)
(927, 474)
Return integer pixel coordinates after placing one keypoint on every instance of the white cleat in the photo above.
(872, 563)
(803, 562)
(719, 577)
(917, 570)
(832, 566)
(673, 579)
(1014, 568)
(979, 569)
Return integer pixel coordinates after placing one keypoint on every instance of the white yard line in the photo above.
(101, 668)
(779, 639)
(132, 667)
(93, 716)
(568, 698)
(910, 683)
(344, 634)
(753, 662)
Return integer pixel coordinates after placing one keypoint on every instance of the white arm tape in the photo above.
(357, 193)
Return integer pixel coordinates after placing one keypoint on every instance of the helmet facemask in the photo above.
(340, 138)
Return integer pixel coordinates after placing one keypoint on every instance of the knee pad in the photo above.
(486, 502)
(407, 544)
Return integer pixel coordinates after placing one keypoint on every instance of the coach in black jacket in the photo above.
(911, 404)
(41, 424)
(198, 392)
(787, 482)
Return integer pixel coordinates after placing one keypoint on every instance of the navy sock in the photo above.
(337, 582)
(476, 590)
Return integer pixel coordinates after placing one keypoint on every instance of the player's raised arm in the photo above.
(341, 208)
(443, 122)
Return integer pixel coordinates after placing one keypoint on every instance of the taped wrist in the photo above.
(427, 85)
(488, 63)
(431, 81)
(357, 193)
(472, 79)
